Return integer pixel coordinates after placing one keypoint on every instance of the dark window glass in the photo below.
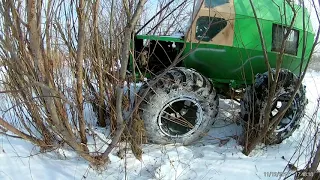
(214, 3)
(291, 45)
(208, 27)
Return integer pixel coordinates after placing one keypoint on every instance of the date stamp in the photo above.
(274, 174)
(284, 174)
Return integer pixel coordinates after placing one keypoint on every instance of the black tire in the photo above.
(258, 94)
(181, 92)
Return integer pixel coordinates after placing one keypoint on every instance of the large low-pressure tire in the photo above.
(254, 103)
(180, 108)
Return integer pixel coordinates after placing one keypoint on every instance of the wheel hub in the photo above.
(279, 104)
(180, 117)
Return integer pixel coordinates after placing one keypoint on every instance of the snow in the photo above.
(217, 156)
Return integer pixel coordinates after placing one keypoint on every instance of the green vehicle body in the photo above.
(236, 64)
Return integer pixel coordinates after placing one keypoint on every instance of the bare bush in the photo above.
(57, 57)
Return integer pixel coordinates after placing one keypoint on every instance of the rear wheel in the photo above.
(180, 108)
(254, 103)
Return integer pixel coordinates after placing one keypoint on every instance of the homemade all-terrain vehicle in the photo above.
(222, 54)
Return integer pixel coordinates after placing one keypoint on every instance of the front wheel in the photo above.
(254, 103)
(179, 108)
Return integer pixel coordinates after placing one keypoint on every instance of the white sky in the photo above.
(313, 14)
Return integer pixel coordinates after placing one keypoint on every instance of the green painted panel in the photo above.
(273, 10)
(225, 64)
(161, 38)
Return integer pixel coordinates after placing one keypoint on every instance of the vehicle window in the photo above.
(208, 27)
(214, 3)
(291, 45)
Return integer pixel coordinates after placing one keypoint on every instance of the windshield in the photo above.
(214, 3)
(196, 8)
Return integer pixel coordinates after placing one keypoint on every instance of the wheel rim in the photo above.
(290, 115)
(180, 117)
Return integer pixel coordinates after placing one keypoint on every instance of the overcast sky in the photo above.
(312, 10)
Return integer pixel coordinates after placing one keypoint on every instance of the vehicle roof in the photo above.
(269, 10)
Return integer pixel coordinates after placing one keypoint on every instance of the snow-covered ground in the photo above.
(217, 156)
